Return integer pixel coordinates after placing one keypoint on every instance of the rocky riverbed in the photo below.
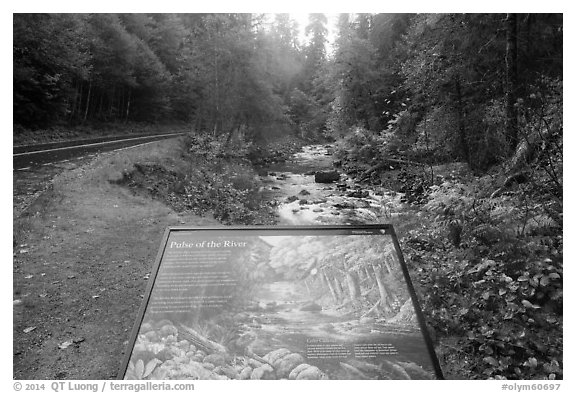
(307, 190)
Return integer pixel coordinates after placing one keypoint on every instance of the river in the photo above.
(341, 202)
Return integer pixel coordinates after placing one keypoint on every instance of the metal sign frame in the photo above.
(300, 230)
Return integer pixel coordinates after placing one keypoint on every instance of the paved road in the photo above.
(35, 166)
(29, 157)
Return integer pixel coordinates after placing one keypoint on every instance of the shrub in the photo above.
(498, 285)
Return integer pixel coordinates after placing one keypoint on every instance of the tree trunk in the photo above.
(338, 288)
(330, 286)
(464, 150)
(128, 105)
(367, 270)
(387, 264)
(511, 80)
(385, 297)
(353, 285)
(88, 99)
(112, 97)
(101, 104)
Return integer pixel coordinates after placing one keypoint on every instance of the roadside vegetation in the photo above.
(212, 176)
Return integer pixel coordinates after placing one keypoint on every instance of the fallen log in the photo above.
(199, 341)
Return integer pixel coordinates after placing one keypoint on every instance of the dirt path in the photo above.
(82, 252)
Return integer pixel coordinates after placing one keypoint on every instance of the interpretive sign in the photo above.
(322, 302)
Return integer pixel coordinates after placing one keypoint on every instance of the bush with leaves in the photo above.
(217, 179)
(362, 149)
(493, 272)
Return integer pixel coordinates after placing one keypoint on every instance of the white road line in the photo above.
(132, 147)
(24, 169)
(92, 144)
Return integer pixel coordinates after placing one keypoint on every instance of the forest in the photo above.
(397, 94)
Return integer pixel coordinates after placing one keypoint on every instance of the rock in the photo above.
(168, 330)
(271, 173)
(217, 359)
(276, 354)
(304, 192)
(306, 371)
(263, 372)
(318, 210)
(164, 355)
(170, 339)
(208, 366)
(182, 359)
(287, 363)
(311, 306)
(361, 203)
(326, 177)
(254, 363)
(245, 373)
(310, 173)
(291, 199)
(337, 163)
(358, 194)
(303, 202)
(151, 336)
(196, 358)
(183, 345)
(275, 187)
(228, 371)
(344, 205)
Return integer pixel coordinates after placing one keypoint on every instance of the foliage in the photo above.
(226, 73)
(49, 51)
(493, 268)
(216, 180)
(359, 147)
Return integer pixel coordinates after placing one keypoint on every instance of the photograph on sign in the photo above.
(323, 303)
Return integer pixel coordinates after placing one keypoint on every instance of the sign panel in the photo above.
(328, 302)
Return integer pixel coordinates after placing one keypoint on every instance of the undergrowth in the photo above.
(215, 178)
(491, 269)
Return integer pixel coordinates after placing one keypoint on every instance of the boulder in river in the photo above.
(358, 194)
(326, 176)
